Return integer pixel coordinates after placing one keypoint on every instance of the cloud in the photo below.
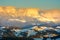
(24, 16)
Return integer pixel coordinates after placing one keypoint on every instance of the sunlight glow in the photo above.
(17, 20)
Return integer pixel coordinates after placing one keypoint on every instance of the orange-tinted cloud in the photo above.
(48, 15)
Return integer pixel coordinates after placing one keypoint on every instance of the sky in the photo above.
(42, 4)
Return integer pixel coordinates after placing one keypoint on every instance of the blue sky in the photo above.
(42, 4)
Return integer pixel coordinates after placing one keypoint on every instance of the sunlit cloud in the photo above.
(16, 13)
(17, 20)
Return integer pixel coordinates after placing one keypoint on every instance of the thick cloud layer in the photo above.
(11, 16)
